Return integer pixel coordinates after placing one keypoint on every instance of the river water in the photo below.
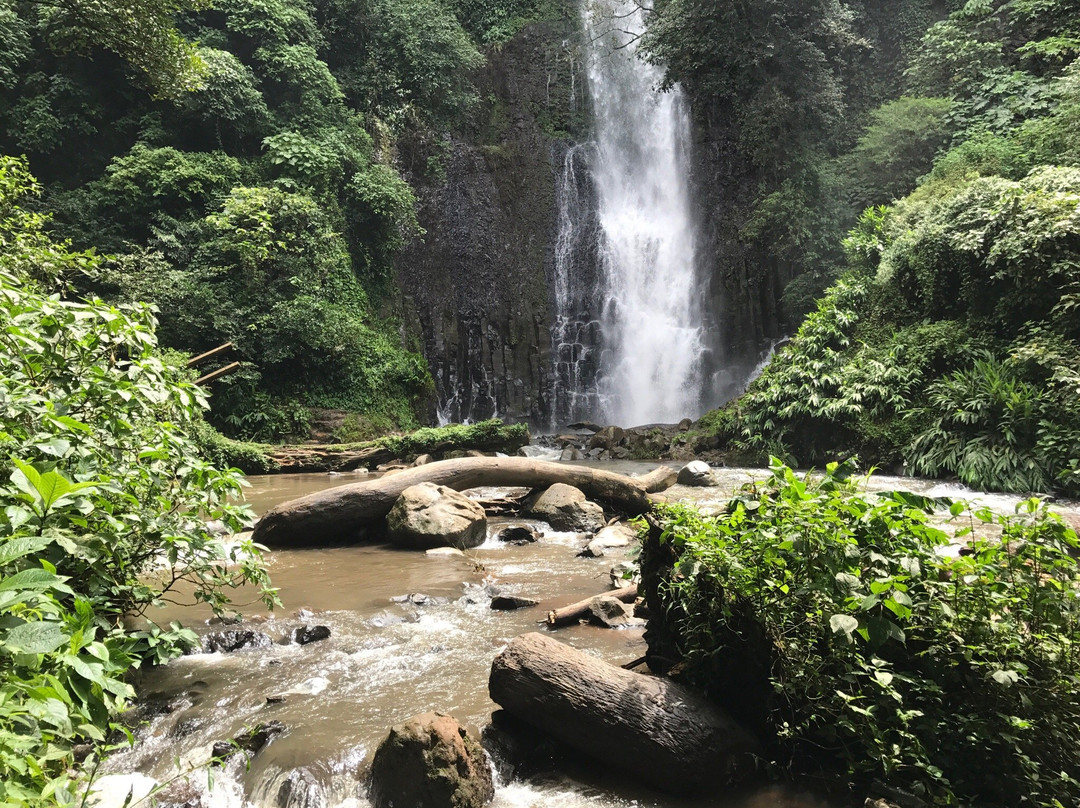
(388, 659)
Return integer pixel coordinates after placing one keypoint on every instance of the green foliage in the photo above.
(875, 654)
(103, 498)
(1011, 425)
(250, 458)
(883, 368)
(497, 21)
(148, 186)
(808, 402)
(897, 148)
(404, 60)
(997, 252)
(228, 100)
(144, 35)
(492, 435)
(773, 65)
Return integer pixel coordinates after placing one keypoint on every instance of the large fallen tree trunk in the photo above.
(347, 512)
(660, 732)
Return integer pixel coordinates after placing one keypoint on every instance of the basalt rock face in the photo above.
(743, 289)
(477, 286)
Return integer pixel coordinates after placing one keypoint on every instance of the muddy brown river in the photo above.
(389, 657)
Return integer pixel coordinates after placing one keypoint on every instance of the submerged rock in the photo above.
(429, 515)
(517, 534)
(565, 508)
(430, 761)
(303, 635)
(251, 741)
(445, 551)
(234, 640)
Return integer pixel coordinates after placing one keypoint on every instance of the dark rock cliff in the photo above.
(477, 286)
(744, 288)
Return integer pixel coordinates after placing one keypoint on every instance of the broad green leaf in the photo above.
(12, 549)
(34, 579)
(35, 638)
(1005, 677)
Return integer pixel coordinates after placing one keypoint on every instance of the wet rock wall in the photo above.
(477, 287)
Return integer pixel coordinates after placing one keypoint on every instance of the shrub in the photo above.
(103, 498)
(875, 654)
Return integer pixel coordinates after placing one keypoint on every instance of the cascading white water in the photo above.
(652, 334)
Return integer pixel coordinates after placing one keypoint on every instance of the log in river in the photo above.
(348, 513)
(656, 730)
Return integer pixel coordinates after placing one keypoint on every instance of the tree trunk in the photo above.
(348, 513)
(663, 733)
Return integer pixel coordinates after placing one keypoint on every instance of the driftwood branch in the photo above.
(349, 512)
(656, 730)
(568, 615)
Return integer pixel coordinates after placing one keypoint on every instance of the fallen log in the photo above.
(575, 611)
(348, 512)
(658, 731)
(659, 479)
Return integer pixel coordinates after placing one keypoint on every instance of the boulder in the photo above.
(430, 761)
(613, 613)
(234, 640)
(566, 509)
(428, 515)
(423, 460)
(607, 438)
(517, 534)
(617, 535)
(593, 550)
(697, 473)
(571, 453)
(445, 551)
(302, 635)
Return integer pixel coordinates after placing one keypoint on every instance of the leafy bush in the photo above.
(834, 621)
(103, 498)
(1007, 425)
(897, 148)
(807, 402)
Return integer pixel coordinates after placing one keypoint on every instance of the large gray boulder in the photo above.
(607, 438)
(566, 509)
(430, 762)
(697, 473)
(428, 515)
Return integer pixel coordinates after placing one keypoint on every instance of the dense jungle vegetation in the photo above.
(837, 624)
(206, 174)
(236, 163)
(945, 221)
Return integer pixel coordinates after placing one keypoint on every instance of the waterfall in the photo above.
(645, 363)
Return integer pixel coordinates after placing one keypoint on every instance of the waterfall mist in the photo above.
(633, 354)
